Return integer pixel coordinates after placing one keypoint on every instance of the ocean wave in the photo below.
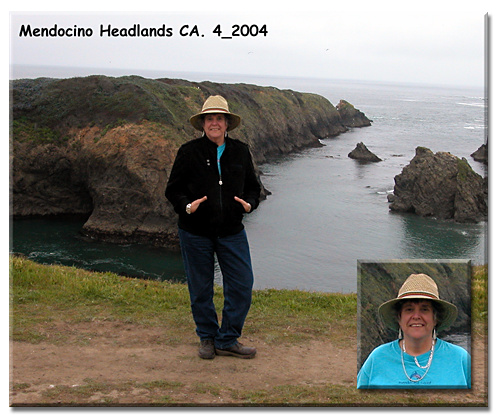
(473, 104)
(474, 126)
(385, 192)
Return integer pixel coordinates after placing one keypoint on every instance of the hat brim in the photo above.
(388, 315)
(233, 119)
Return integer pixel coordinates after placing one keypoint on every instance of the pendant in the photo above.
(427, 367)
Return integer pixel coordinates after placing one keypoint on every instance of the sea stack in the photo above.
(363, 154)
(440, 185)
(481, 154)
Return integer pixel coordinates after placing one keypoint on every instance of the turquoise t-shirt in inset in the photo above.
(450, 368)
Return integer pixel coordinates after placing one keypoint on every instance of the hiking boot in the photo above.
(207, 349)
(237, 350)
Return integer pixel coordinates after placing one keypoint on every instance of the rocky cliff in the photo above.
(104, 146)
(351, 116)
(440, 185)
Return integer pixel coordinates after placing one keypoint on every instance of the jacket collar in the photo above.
(210, 143)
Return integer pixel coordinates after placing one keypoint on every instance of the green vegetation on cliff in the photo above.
(45, 110)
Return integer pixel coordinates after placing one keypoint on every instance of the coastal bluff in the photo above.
(103, 147)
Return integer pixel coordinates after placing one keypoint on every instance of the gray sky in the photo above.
(375, 45)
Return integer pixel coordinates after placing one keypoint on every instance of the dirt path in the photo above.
(137, 370)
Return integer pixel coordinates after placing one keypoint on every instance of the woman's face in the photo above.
(417, 319)
(215, 126)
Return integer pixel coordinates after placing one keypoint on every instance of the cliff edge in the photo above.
(103, 147)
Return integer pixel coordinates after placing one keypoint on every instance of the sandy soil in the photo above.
(127, 357)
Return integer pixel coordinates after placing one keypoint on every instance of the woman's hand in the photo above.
(195, 204)
(246, 206)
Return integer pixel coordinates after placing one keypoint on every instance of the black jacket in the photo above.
(195, 175)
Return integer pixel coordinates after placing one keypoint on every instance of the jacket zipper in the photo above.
(220, 192)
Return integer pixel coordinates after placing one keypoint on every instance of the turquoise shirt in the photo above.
(450, 368)
(220, 150)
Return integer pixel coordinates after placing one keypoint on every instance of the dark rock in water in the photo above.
(481, 154)
(352, 117)
(362, 153)
(440, 185)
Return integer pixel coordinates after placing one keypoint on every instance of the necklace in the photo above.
(429, 361)
(426, 367)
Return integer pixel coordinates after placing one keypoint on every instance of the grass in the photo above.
(479, 291)
(42, 296)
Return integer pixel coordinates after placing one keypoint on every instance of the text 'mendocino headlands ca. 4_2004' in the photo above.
(140, 31)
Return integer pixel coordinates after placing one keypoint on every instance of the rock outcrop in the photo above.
(481, 154)
(363, 154)
(440, 185)
(352, 117)
(103, 147)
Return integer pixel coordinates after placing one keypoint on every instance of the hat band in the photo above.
(418, 294)
(215, 109)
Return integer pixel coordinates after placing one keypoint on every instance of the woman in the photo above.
(418, 359)
(212, 185)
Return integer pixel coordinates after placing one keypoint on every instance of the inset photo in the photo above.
(414, 324)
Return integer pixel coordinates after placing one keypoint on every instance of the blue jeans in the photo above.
(233, 255)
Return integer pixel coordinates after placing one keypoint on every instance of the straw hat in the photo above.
(419, 286)
(215, 104)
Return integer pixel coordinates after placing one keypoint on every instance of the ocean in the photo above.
(326, 210)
